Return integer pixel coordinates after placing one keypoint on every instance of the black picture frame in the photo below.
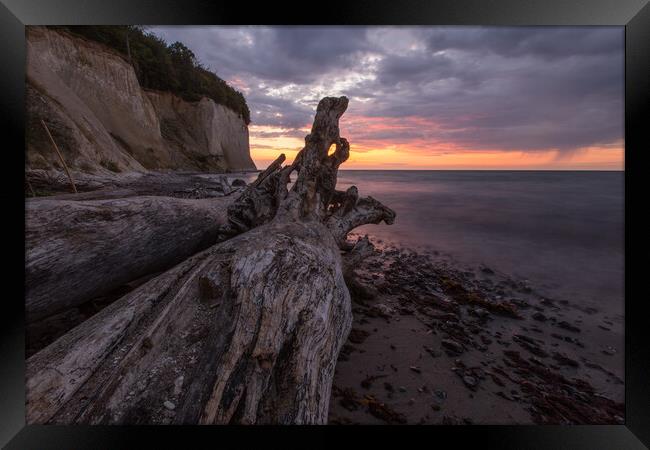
(634, 15)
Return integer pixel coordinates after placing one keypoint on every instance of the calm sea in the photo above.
(563, 231)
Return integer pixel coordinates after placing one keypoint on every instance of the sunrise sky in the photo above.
(429, 97)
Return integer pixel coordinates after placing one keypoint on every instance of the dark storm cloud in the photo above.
(526, 88)
(542, 42)
(278, 54)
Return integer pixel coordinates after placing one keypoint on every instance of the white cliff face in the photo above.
(228, 135)
(203, 134)
(102, 119)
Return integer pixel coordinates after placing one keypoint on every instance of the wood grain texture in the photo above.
(77, 250)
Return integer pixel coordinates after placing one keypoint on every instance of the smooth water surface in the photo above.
(564, 231)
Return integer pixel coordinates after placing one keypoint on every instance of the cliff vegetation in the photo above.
(164, 67)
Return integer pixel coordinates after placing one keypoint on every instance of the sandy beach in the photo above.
(434, 342)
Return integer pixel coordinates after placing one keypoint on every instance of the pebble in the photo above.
(178, 385)
(169, 405)
(384, 309)
(469, 381)
(441, 394)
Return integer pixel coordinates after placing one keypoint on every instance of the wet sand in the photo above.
(437, 342)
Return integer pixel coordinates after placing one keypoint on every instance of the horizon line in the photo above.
(476, 170)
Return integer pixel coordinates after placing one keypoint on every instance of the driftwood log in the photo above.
(247, 331)
(77, 250)
(123, 185)
(83, 250)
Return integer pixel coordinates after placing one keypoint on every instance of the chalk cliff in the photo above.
(103, 120)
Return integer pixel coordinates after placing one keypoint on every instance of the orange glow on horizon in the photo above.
(268, 142)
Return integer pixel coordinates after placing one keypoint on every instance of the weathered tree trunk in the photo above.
(247, 331)
(79, 250)
(84, 250)
(131, 184)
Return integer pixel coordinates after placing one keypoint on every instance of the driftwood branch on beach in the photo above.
(81, 248)
(246, 331)
(94, 186)
(77, 249)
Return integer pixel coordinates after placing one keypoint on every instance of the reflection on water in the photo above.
(562, 230)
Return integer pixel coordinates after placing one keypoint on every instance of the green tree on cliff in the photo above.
(163, 67)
